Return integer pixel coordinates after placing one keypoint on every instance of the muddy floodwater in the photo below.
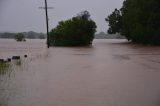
(109, 73)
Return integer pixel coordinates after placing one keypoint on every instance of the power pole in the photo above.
(47, 24)
(46, 11)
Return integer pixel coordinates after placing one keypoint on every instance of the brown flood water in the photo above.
(109, 73)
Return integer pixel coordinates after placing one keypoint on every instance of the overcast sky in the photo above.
(24, 15)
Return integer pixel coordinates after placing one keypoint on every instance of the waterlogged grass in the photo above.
(4, 66)
(18, 62)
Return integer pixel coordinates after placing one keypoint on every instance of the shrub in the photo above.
(20, 37)
(77, 31)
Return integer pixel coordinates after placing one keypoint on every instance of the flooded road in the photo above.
(109, 73)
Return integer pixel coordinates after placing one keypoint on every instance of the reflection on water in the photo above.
(109, 73)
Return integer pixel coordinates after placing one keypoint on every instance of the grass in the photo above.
(18, 62)
(4, 66)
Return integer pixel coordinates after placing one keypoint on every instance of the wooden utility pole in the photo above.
(46, 11)
(47, 24)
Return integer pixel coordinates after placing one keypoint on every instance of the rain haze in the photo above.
(71, 68)
(24, 15)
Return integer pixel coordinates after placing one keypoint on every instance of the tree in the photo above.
(77, 31)
(138, 20)
(114, 20)
(20, 37)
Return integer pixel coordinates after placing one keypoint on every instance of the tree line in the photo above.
(28, 35)
(137, 20)
(103, 35)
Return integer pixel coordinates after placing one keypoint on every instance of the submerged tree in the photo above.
(20, 37)
(77, 31)
(138, 20)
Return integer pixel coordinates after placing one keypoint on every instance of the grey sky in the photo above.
(24, 15)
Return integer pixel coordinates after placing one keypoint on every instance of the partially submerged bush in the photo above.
(77, 31)
(4, 66)
(20, 37)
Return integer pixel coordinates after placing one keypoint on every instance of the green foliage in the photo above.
(77, 31)
(138, 20)
(114, 22)
(4, 66)
(18, 62)
(20, 37)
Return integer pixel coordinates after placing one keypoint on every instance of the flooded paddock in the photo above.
(109, 73)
